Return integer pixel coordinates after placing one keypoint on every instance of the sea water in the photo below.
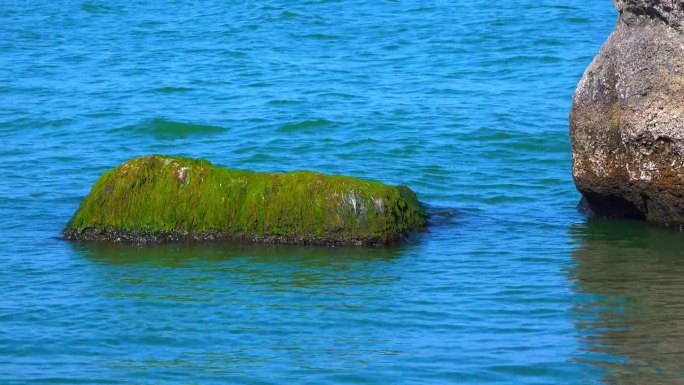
(464, 101)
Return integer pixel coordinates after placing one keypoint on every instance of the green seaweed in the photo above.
(157, 198)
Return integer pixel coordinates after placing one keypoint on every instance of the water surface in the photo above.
(464, 101)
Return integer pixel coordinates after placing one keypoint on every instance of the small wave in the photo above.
(500, 198)
(168, 128)
(577, 20)
(259, 85)
(307, 124)
(441, 216)
(487, 135)
(550, 59)
(322, 36)
(282, 102)
(549, 42)
(93, 7)
(561, 7)
(39, 123)
(170, 90)
(288, 15)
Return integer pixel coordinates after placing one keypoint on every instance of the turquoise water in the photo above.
(465, 101)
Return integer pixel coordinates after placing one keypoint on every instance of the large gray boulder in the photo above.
(627, 118)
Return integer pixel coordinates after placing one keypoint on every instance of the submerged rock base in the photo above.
(627, 118)
(157, 198)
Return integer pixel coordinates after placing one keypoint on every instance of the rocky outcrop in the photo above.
(160, 198)
(627, 118)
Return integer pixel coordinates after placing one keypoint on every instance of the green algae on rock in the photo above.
(160, 198)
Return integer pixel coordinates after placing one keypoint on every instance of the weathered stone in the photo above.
(159, 199)
(627, 118)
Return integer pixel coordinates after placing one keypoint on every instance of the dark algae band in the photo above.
(160, 198)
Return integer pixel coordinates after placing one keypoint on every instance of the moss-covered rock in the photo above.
(161, 198)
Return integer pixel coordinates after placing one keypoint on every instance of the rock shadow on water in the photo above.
(237, 264)
(186, 254)
(630, 316)
(164, 129)
(118, 253)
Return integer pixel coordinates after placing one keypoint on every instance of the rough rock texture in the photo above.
(159, 199)
(627, 118)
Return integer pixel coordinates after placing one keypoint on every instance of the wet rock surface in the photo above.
(627, 118)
